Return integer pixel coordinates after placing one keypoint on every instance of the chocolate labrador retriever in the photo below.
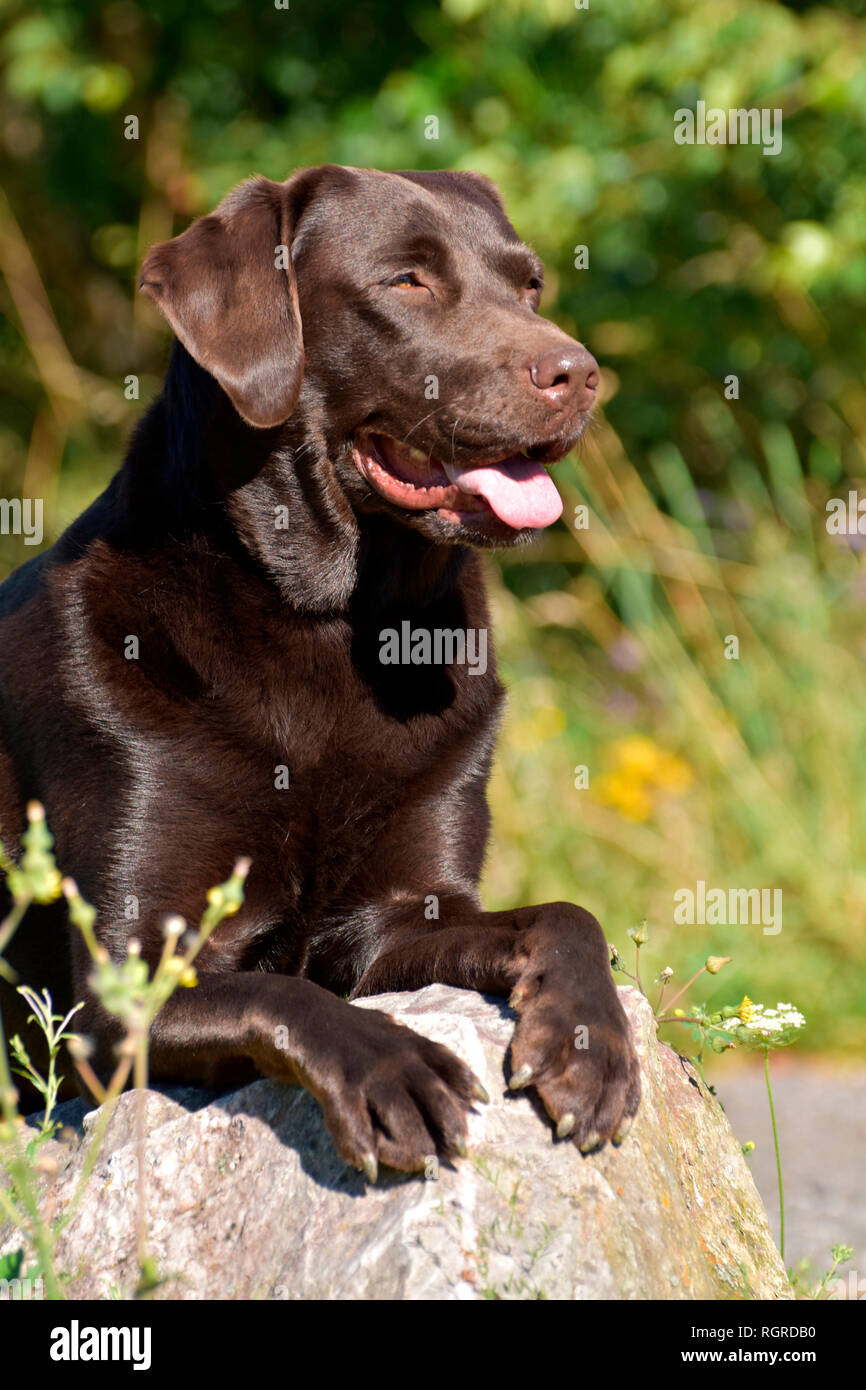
(362, 395)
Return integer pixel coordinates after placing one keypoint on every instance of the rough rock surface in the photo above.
(246, 1197)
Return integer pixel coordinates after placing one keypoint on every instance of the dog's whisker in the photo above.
(423, 419)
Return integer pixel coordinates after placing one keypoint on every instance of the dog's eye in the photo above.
(531, 293)
(406, 280)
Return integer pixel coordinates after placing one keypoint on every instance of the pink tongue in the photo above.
(519, 490)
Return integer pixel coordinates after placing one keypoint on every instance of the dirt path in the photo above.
(821, 1117)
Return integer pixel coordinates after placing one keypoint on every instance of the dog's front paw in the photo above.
(573, 1041)
(390, 1096)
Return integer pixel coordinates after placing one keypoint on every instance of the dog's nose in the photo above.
(566, 373)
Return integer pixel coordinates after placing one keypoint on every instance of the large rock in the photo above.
(246, 1197)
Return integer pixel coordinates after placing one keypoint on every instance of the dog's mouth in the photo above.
(516, 489)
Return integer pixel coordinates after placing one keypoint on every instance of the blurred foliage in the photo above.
(744, 773)
(706, 515)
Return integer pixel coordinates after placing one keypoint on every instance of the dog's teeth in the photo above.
(417, 455)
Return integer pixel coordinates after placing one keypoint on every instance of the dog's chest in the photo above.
(338, 706)
(304, 742)
(304, 722)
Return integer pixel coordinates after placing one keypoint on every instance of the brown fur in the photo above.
(259, 648)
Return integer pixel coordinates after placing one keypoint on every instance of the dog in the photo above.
(361, 398)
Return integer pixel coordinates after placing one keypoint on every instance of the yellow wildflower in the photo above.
(672, 774)
(746, 1009)
(625, 794)
(638, 755)
(641, 768)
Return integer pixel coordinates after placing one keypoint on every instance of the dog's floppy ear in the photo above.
(227, 288)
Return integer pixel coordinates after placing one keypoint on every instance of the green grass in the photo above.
(744, 773)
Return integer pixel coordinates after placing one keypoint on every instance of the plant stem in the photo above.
(140, 1040)
(637, 969)
(19, 1170)
(679, 994)
(778, 1155)
(8, 927)
(106, 1110)
(622, 970)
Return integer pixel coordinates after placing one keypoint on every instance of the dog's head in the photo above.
(399, 311)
